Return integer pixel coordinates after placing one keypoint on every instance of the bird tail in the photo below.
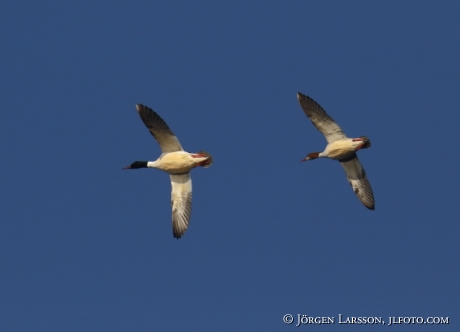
(207, 162)
(367, 142)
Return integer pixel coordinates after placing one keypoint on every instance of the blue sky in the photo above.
(85, 246)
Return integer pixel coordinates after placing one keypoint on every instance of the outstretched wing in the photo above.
(159, 129)
(357, 178)
(181, 202)
(320, 119)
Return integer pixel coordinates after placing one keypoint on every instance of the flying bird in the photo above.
(340, 148)
(177, 163)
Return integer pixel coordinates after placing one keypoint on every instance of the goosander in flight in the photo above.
(340, 148)
(177, 163)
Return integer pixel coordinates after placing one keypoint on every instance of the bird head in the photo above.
(136, 164)
(311, 156)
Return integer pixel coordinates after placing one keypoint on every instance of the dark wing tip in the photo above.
(309, 105)
(365, 194)
(367, 198)
(367, 201)
(143, 111)
(178, 232)
(153, 121)
(141, 108)
(300, 96)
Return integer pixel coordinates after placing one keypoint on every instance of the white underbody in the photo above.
(177, 162)
(342, 148)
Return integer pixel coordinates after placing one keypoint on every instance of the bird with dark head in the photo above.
(177, 163)
(137, 164)
(341, 148)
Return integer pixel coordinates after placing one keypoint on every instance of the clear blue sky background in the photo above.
(85, 246)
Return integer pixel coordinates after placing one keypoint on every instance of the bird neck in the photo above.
(314, 155)
(153, 164)
(321, 155)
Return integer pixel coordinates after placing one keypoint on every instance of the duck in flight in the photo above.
(340, 148)
(177, 163)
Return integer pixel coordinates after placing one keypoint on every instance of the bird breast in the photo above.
(341, 149)
(177, 162)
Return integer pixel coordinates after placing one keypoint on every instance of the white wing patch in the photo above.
(181, 202)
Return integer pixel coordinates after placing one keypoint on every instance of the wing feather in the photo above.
(159, 129)
(356, 176)
(320, 119)
(181, 202)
